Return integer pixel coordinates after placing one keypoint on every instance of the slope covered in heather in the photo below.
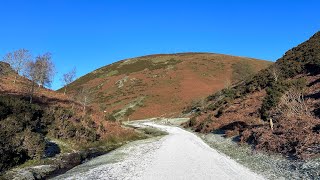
(30, 131)
(277, 110)
(160, 85)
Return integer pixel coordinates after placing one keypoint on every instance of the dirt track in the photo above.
(179, 155)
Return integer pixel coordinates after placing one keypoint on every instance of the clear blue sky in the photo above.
(89, 34)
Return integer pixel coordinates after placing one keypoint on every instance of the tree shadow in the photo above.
(239, 126)
(313, 69)
(40, 100)
(313, 96)
(313, 83)
(52, 149)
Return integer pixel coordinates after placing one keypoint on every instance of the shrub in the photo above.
(110, 117)
(129, 112)
(23, 127)
(192, 122)
(34, 144)
(20, 122)
(276, 91)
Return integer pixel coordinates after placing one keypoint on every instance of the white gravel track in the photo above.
(179, 155)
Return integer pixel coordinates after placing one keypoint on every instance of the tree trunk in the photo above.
(271, 124)
(65, 90)
(15, 78)
(31, 92)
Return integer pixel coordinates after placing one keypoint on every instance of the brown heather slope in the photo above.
(48, 98)
(24, 127)
(158, 85)
(292, 102)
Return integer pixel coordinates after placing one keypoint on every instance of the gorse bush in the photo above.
(276, 91)
(23, 127)
(33, 143)
(21, 133)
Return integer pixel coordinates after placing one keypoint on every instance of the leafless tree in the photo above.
(84, 97)
(45, 70)
(67, 78)
(40, 71)
(275, 72)
(18, 60)
(31, 73)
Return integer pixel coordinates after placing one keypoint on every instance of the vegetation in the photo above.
(19, 121)
(68, 78)
(40, 71)
(84, 97)
(18, 60)
(241, 71)
(123, 68)
(23, 127)
(291, 131)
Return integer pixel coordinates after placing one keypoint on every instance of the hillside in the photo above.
(276, 111)
(160, 85)
(50, 126)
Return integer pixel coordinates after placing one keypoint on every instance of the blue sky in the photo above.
(89, 34)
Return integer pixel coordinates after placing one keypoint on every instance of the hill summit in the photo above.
(161, 85)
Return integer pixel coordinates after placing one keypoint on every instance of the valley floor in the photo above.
(178, 155)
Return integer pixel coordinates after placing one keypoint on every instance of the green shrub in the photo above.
(110, 117)
(20, 122)
(23, 127)
(192, 122)
(129, 112)
(275, 91)
(34, 144)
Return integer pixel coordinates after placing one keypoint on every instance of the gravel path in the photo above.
(179, 155)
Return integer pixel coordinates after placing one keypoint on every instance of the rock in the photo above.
(30, 173)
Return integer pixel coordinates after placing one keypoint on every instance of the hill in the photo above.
(161, 85)
(51, 125)
(277, 110)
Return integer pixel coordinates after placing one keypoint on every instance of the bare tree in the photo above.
(67, 78)
(40, 71)
(275, 72)
(31, 73)
(45, 70)
(18, 60)
(84, 97)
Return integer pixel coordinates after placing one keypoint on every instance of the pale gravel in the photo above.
(179, 155)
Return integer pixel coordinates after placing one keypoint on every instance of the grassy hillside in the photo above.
(160, 85)
(276, 110)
